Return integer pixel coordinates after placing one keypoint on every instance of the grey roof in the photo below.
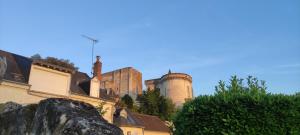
(18, 67)
(152, 123)
(148, 122)
(76, 79)
(129, 121)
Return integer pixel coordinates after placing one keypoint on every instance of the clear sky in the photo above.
(208, 39)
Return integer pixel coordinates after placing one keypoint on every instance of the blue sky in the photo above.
(208, 39)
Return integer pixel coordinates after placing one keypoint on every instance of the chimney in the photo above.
(97, 68)
(96, 80)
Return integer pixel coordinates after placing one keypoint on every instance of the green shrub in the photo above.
(238, 110)
(128, 101)
(152, 103)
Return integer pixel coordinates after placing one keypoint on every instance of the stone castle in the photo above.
(176, 86)
(121, 81)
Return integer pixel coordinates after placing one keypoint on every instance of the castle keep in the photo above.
(123, 81)
(176, 86)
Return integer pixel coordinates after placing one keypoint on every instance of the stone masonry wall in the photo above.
(123, 81)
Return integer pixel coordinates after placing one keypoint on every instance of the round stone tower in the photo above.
(176, 86)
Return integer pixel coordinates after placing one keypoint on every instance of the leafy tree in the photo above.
(36, 56)
(61, 62)
(55, 61)
(128, 101)
(152, 103)
(100, 108)
(135, 108)
(239, 109)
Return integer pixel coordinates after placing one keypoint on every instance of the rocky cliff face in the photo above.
(55, 117)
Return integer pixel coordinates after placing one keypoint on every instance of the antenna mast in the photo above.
(94, 41)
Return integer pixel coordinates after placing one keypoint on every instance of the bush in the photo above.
(236, 109)
(128, 101)
(152, 103)
(55, 61)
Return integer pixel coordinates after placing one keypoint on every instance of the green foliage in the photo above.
(100, 108)
(152, 103)
(36, 57)
(237, 109)
(55, 61)
(135, 108)
(128, 101)
(61, 62)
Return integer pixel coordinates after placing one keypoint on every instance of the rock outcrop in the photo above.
(10, 106)
(56, 117)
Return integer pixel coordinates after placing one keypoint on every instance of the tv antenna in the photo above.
(94, 41)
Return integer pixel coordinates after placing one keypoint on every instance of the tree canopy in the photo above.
(128, 101)
(240, 109)
(152, 103)
(56, 61)
(100, 108)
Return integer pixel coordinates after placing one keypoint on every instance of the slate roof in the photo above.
(76, 79)
(148, 122)
(18, 67)
(129, 121)
(152, 123)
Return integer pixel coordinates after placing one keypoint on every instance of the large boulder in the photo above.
(17, 121)
(9, 106)
(56, 117)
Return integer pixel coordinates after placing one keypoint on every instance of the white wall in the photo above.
(95, 87)
(17, 93)
(49, 81)
(176, 89)
(148, 132)
(132, 130)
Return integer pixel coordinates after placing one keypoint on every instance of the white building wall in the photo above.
(132, 130)
(50, 81)
(148, 132)
(178, 90)
(95, 87)
(17, 93)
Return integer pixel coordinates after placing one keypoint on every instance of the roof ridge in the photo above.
(14, 54)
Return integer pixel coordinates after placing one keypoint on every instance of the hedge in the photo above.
(239, 110)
